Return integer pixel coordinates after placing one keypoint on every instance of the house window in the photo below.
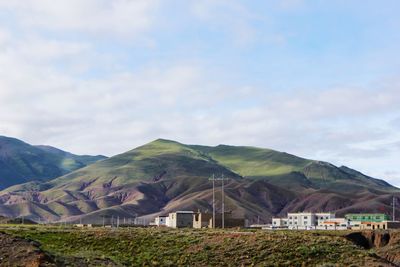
(290, 217)
(305, 217)
(274, 222)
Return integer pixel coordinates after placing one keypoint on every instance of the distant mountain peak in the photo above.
(21, 162)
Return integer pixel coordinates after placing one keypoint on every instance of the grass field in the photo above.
(189, 247)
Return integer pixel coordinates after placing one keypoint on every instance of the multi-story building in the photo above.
(307, 220)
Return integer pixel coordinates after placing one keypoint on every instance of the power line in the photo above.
(213, 179)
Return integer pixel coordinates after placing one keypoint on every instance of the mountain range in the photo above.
(21, 162)
(164, 176)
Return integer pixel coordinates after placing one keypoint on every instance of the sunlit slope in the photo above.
(254, 162)
(158, 160)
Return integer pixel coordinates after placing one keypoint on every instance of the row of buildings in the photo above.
(328, 221)
(293, 221)
(190, 219)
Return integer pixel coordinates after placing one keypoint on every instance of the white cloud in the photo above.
(126, 18)
(48, 94)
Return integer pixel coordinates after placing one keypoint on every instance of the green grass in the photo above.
(253, 162)
(166, 247)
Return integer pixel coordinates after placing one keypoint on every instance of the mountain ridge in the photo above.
(164, 175)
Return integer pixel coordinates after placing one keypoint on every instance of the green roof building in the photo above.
(367, 217)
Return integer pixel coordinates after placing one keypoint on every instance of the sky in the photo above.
(314, 78)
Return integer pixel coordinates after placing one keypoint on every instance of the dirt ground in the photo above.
(16, 251)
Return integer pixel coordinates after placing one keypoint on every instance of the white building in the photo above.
(307, 220)
(334, 224)
(279, 223)
(161, 221)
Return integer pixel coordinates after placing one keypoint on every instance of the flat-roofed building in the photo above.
(180, 219)
(307, 220)
(204, 220)
(334, 224)
(161, 221)
(279, 223)
(379, 225)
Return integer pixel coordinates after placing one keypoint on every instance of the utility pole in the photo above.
(394, 209)
(213, 179)
(213, 201)
(223, 202)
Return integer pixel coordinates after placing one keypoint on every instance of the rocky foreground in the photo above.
(15, 251)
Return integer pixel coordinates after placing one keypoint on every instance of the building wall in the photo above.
(229, 222)
(202, 220)
(379, 225)
(161, 221)
(180, 219)
(279, 222)
(307, 220)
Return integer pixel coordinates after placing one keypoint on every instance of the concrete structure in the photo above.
(279, 223)
(161, 221)
(379, 225)
(204, 220)
(367, 217)
(180, 219)
(334, 224)
(307, 220)
(81, 225)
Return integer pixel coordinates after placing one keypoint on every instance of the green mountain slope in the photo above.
(21, 162)
(164, 176)
(254, 162)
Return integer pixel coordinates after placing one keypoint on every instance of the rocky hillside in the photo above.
(164, 175)
(21, 162)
